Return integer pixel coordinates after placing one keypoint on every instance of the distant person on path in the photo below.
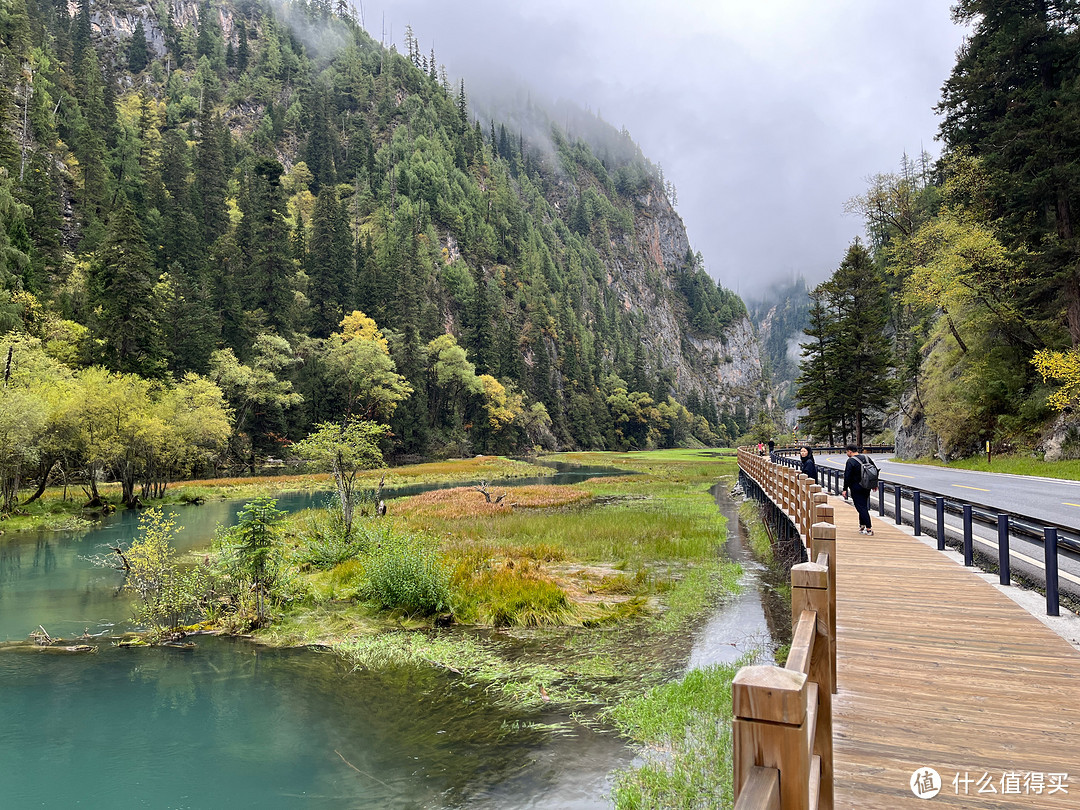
(807, 463)
(772, 445)
(760, 449)
(859, 496)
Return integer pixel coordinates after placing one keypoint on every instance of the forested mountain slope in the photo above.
(211, 188)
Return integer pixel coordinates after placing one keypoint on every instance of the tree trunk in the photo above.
(1072, 311)
(46, 470)
(955, 334)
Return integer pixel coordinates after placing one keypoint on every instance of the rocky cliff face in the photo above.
(727, 369)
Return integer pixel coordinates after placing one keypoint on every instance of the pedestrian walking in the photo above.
(853, 484)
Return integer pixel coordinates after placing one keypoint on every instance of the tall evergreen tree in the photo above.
(319, 153)
(271, 271)
(211, 181)
(846, 373)
(329, 264)
(1011, 101)
(127, 330)
(138, 50)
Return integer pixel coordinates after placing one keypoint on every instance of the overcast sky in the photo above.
(767, 115)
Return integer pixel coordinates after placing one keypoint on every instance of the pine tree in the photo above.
(211, 181)
(820, 372)
(138, 50)
(126, 331)
(329, 264)
(271, 270)
(243, 52)
(845, 374)
(1011, 102)
(319, 153)
(482, 338)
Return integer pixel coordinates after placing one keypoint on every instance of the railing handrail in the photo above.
(783, 716)
(1039, 521)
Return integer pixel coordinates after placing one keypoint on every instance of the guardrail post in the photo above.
(1003, 549)
(916, 511)
(969, 551)
(898, 499)
(939, 502)
(1050, 556)
(881, 498)
(771, 730)
(810, 591)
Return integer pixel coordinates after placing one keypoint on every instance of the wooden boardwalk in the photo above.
(936, 668)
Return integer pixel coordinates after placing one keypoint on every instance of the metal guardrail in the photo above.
(1053, 536)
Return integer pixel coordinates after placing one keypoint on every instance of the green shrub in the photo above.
(325, 542)
(405, 572)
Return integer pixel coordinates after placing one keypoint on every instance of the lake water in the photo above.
(233, 725)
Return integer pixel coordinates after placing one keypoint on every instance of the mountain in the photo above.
(780, 316)
(211, 187)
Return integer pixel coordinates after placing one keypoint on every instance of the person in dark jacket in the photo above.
(807, 463)
(852, 483)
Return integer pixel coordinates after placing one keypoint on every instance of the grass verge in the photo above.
(1068, 470)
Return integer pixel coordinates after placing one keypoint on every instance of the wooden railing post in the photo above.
(771, 729)
(783, 717)
(823, 541)
(810, 593)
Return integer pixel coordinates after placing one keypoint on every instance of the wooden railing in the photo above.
(783, 741)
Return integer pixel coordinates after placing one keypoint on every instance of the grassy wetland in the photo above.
(570, 608)
(576, 599)
(61, 508)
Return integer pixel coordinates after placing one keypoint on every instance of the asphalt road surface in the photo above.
(1044, 501)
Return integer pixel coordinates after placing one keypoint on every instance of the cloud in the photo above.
(767, 117)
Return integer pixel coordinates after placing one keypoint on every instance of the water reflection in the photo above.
(753, 621)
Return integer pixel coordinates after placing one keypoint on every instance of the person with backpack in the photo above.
(860, 479)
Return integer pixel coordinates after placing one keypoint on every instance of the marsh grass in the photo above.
(461, 502)
(760, 542)
(685, 726)
(512, 597)
(631, 531)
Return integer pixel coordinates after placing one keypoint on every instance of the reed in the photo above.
(686, 728)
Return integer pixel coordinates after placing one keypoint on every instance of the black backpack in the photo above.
(868, 479)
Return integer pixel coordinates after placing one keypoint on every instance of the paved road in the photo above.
(1044, 499)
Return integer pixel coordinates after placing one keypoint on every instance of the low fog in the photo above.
(767, 117)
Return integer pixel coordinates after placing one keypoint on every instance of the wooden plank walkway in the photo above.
(936, 668)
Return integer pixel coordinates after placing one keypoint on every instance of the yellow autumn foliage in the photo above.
(1064, 368)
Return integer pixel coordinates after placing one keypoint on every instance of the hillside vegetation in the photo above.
(266, 200)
